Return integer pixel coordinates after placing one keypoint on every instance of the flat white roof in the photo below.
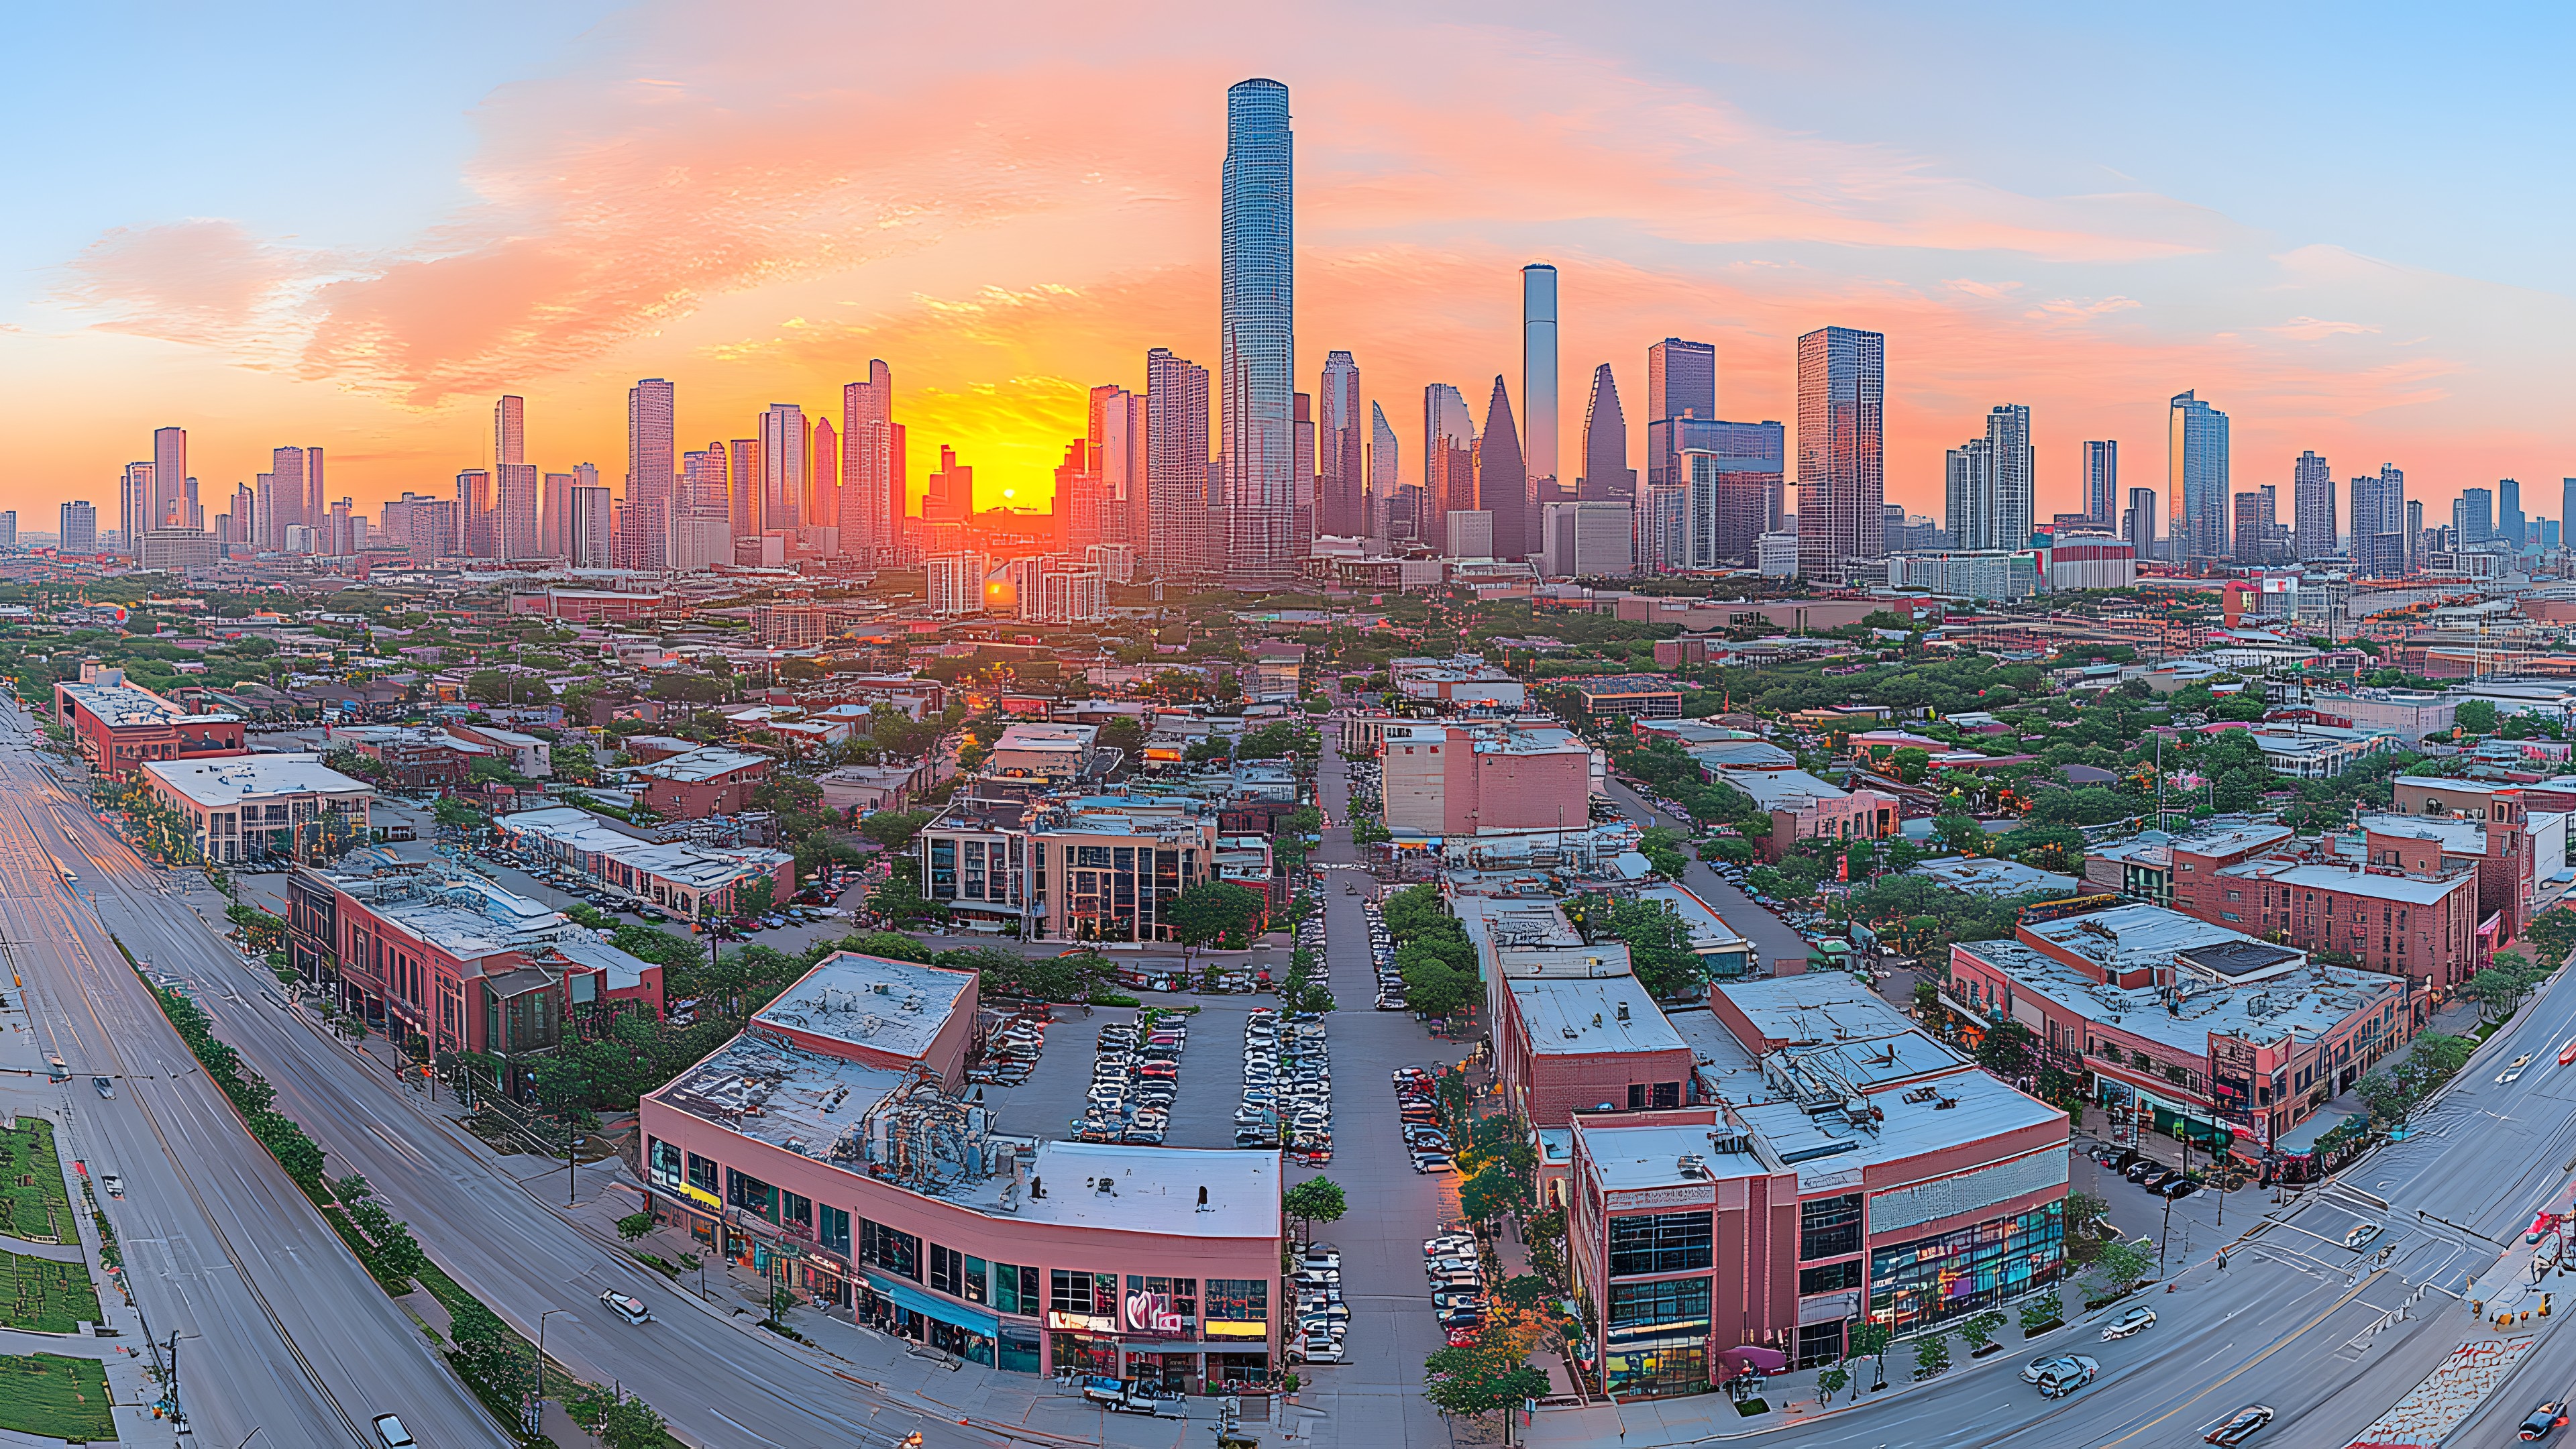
(1648, 1155)
(221, 784)
(700, 765)
(1570, 1014)
(1814, 1006)
(884, 1005)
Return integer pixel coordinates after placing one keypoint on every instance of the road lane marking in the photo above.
(2330, 1311)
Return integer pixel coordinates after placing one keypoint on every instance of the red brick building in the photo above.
(704, 782)
(1569, 1044)
(119, 727)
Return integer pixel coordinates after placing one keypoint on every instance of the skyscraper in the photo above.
(1681, 382)
(1503, 479)
(1301, 462)
(1340, 467)
(79, 528)
(2509, 519)
(473, 514)
(2473, 516)
(2383, 526)
(586, 532)
(1257, 278)
(169, 482)
(700, 531)
(2312, 493)
(1448, 463)
(1607, 478)
(823, 485)
(2567, 507)
(554, 511)
(288, 496)
(1386, 479)
(1119, 462)
(1842, 453)
(2016, 475)
(782, 467)
(1968, 494)
(1176, 465)
(134, 497)
(516, 506)
(314, 486)
(651, 452)
(872, 489)
(1538, 393)
(2138, 523)
(509, 431)
(1733, 475)
(2196, 477)
(2102, 482)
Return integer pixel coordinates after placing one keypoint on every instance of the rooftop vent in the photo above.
(1691, 1164)
(1623, 1011)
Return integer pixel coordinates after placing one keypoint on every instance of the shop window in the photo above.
(795, 1211)
(666, 1163)
(948, 1271)
(1937, 1278)
(896, 1252)
(1068, 1291)
(1831, 1278)
(1238, 1300)
(703, 1174)
(1666, 1306)
(1022, 1351)
(1820, 1345)
(1181, 1293)
(751, 1194)
(835, 1231)
(1828, 1227)
(1659, 1243)
(1015, 1290)
(977, 1277)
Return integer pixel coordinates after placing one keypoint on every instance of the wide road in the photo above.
(280, 1330)
(1772, 938)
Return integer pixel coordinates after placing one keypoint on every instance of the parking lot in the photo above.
(1050, 1102)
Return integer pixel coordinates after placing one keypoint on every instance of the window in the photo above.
(896, 1252)
(1069, 1291)
(948, 1271)
(1238, 1300)
(1015, 1289)
(666, 1163)
(1183, 1293)
(1668, 1094)
(1658, 1307)
(794, 1211)
(1659, 1243)
(835, 1233)
(702, 1174)
(1828, 1227)
(1937, 1278)
(751, 1194)
(1831, 1278)
(1636, 1095)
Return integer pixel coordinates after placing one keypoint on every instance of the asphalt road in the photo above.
(1772, 937)
(279, 1328)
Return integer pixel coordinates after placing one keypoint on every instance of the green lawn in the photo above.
(44, 1296)
(57, 1397)
(34, 1203)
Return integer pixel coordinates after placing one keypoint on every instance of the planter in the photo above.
(2034, 1330)
(1981, 1350)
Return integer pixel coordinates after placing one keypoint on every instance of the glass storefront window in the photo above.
(1677, 1365)
(1936, 1278)
(1659, 1243)
(1660, 1307)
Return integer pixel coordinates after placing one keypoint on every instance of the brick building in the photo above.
(703, 782)
(118, 727)
(1567, 1044)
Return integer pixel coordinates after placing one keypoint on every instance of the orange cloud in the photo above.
(206, 282)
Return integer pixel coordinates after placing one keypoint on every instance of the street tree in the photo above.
(1316, 1200)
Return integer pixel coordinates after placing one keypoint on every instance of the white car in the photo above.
(114, 1184)
(1433, 1162)
(2513, 1073)
(2129, 1323)
(2361, 1235)
(629, 1308)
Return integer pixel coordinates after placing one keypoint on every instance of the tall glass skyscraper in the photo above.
(1607, 478)
(2102, 482)
(1538, 385)
(1842, 451)
(1339, 467)
(1257, 268)
(2312, 494)
(2016, 476)
(2196, 468)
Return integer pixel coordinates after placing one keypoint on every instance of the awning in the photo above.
(1754, 1356)
(956, 1315)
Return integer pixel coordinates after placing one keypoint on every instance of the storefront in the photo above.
(908, 1312)
(1656, 1364)
(1934, 1279)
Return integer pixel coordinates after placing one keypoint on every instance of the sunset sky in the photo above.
(350, 227)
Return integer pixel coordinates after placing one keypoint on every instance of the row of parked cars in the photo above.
(1390, 982)
(1135, 1076)
(1012, 1051)
(2146, 1172)
(1417, 1113)
(1287, 1085)
(1323, 1316)
(1456, 1270)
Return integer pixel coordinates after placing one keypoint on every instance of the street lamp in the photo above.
(541, 1345)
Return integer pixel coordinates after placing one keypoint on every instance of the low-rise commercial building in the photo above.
(263, 807)
(700, 783)
(526, 754)
(687, 880)
(1650, 695)
(1443, 780)
(1803, 807)
(119, 727)
(2316, 752)
(825, 1148)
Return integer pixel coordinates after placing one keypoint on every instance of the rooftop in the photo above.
(1571, 1015)
(2458, 836)
(1829, 1150)
(889, 1006)
(1778, 789)
(2308, 1003)
(1632, 1157)
(1814, 1006)
(2353, 879)
(1603, 685)
(700, 765)
(127, 705)
(2232, 839)
(1709, 932)
(2141, 937)
(221, 784)
(1995, 877)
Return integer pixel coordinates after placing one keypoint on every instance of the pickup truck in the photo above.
(1127, 1396)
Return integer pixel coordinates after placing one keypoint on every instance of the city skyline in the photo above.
(223, 310)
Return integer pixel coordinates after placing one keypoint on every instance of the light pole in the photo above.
(541, 1348)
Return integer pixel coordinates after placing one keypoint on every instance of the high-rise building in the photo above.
(2254, 521)
(2473, 516)
(509, 431)
(1301, 533)
(743, 478)
(2016, 475)
(515, 512)
(314, 485)
(1448, 463)
(1386, 475)
(2196, 478)
(1681, 382)
(79, 529)
(1842, 451)
(1968, 494)
(823, 486)
(1118, 464)
(652, 451)
(473, 514)
(2312, 493)
(134, 497)
(2567, 506)
(872, 479)
(9, 529)
(2384, 526)
(951, 496)
(554, 511)
(2414, 534)
(1538, 394)
(1257, 279)
(2138, 523)
(1341, 450)
(1607, 478)
(587, 535)
(2509, 518)
(245, 514)
(1733, 478)
(1503, 479)
(783, 438)
(2102, 482)
(169, 481)
(1176, 466)
(289, 495)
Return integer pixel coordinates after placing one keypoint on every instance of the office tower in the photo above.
(652, 449)
(2384, 526)
(79, 528)
(2509, 518)
(2016, 475)
(587, 535)
(1681, 382)
(2138, 523)
(782, 467)
(193, 513)
(1176, 465)
(554, 510)
(516, 505)
(2102, 482)
(1073, 509)
(2473, 516)
(2567, 506)
(1340, 467)
(1968, 494)
(2549, 533)
(743, 478)
(289, 495)
(1257, 278)
(473, 514)
(1503, 479)
(2254, 526)
(1385, 465)
(1118, 461)
(2196, 478)
(169, 475)
(823, 484)
(699, 532)
(1538, 392)
(1842, 484)
(1448, 463)
(245, 511)
(134, 495)
(9, 529)
(2312, 493)
(951, 496)
(1301, 534)
(313, 484)
(1732, 474)
(2414, 535)
(338, 538)
(872, 501)
(509, 431)
(264, 510)
(1607, 478)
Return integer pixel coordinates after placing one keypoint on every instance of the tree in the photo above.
(2008, 1049)
(1433, 988)
(2119, 1268)
(1212, 912)
(894, 829)
(1981, 1330)
(2475, 716)
(1662, 848)
(1493, 1372)
(1961, 833)
(1831, 1380)
(754, 897)
(1525, 1292)
(1931, 1354)
(1316, 1200)
(1491, 1193)
(1870, 1340)
(892, 945)
(635, 1225)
